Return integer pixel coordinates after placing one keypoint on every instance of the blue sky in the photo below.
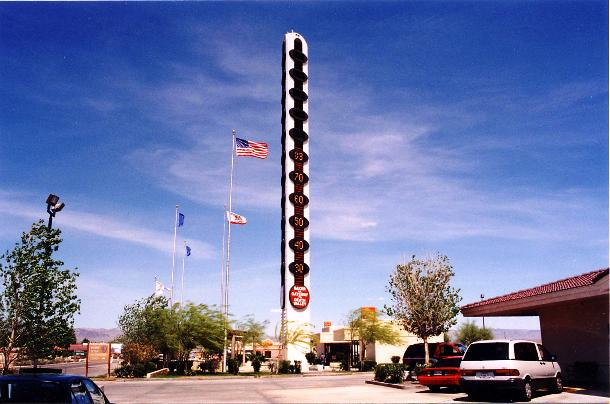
(475, 129)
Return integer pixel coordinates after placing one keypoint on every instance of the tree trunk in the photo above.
(427, 355)
(362, 354)
(6, 358)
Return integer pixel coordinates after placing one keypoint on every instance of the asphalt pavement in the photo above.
(326, 388)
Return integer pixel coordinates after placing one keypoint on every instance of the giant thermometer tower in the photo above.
(295, 271)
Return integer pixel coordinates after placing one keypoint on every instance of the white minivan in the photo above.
(515, 365)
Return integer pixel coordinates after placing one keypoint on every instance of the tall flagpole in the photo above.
(222, 262)
(182, 279)
(171, 292)
(222, 279)
(228, 262)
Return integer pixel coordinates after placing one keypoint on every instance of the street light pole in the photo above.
(53, 206)
(483, 297)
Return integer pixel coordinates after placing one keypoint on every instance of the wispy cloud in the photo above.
(376, 174)
(106, 226)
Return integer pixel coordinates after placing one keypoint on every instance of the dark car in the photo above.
(415, 354)
(50, 388)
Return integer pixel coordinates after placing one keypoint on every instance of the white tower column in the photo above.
(295, 269)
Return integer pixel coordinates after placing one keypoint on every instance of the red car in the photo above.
(444, 373)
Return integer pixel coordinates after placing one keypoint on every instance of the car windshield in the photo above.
(31, 391)
(448, 363)
(490, 351)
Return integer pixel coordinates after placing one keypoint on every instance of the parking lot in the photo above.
(292, 389)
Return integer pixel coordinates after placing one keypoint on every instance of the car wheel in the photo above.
(434, 389)
(526, 392)
(474, 395)
(558, 385)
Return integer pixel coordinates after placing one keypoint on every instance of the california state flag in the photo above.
(234, 218)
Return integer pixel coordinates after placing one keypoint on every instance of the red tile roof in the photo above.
(573, 282)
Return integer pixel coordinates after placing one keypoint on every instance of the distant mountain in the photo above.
(97, 334)
(507, 333)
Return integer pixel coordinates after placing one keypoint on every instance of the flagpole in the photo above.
(222, 262)
(171, 292)
(182, 280)
(222, 279)
(228, 262)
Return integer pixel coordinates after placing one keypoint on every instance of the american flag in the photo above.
(248, 148)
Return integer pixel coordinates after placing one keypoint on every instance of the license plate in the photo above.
(438, 373)
(485, 375)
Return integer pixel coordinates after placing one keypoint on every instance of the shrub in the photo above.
(419, 367)
(233, 365)
(311, 358)
(395, 359)
(396, 373)
(209, 366)
(124, 371)
(256, 364)
(139, 370)
(284, 367)
(381, 373)
(181, 367)
(256, 356)
(345, 366)
(390, 373)
(297, 367)
(135, 370)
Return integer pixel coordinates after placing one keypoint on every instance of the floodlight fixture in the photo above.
(52, 199)
(53, 206)
(58, 207)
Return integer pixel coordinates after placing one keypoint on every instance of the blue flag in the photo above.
(180, 219)
(188, 251)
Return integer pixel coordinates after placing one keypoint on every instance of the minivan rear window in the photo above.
(490, 351)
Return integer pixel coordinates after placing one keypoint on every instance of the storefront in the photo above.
(337, 344)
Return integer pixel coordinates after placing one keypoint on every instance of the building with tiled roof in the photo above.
(574, 319)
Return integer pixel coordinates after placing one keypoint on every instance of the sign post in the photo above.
(98, 352)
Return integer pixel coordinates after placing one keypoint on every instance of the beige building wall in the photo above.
(381, 353)
(578, 332)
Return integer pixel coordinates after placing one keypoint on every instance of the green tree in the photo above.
(366, 327)
(142, 326)
(149, 327)
(294, 333)
(422, 298)
(195, 326)
(38, 300)
(254, 331)
(469, 332)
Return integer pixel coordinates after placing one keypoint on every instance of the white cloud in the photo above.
(107, 226)
(376, 174)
